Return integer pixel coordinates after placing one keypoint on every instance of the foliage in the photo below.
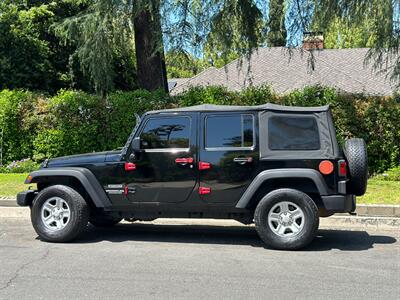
(20, 166)
(30, 55)
(277, 30)
(183, 65)
(76, 122)
(392, 174)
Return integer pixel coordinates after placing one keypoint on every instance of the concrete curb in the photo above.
(363, 210)
(339, 222)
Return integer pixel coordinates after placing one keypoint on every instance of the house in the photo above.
(288, 69)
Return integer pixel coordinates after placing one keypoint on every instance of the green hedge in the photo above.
(36, 126)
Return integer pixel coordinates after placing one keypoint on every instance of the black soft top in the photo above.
(268, 106)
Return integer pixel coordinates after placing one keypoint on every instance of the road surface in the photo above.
(164, 261)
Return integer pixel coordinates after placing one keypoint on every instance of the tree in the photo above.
(108, 25)
(277, 31)
(221, 31)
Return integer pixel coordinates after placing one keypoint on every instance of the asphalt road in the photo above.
(179, 261)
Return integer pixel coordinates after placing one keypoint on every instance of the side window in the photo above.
(166, 132)
(293, 133)
(229, 131)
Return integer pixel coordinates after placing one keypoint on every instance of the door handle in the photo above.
(184, 160)
(243, 160)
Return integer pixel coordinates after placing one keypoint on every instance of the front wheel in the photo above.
(286, 219)
(59, 214)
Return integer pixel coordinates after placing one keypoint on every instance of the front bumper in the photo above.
(339, 203)
(25, 198)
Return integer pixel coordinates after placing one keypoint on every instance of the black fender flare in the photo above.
(83, 175)
(311, 174)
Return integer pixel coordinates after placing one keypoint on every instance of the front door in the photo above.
(165, 169)
(228, 155)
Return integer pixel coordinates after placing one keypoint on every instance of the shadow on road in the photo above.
(344, 240)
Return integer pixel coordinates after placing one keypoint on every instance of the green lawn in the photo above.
(381, 192)
(378, 191)
(11, 184)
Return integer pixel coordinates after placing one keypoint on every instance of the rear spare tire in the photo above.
(355, 151)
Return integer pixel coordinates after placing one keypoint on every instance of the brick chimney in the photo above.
(313, 40)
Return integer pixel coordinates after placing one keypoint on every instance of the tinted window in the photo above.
(229, 131)
(293, 133)
(166, 133)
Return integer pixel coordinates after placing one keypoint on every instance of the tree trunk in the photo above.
(151, 71)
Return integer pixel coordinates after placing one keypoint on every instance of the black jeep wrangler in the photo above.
(279, 167)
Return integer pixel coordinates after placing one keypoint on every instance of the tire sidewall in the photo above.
(311, 219)
(71, 197)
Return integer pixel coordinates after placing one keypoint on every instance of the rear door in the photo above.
(165, 171)
(228, 155)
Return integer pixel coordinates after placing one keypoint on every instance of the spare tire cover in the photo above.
(355, 151)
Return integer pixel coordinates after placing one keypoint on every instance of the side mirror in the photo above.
(136, 144)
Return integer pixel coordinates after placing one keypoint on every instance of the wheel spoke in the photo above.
(48, 207)
(66, 214)
(274, 217)
(281, 229)
(294, 227)
(58, 203)
(49, 220)
(296, 213)
(284, 206)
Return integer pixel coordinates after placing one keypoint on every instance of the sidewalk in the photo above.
(335, 222)
(363, 210)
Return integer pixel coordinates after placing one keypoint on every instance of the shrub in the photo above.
(20, 166)
(392, 174)
(18, 122)
(75, 122)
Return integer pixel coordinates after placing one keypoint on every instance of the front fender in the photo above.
(83, 175)
(311, 174)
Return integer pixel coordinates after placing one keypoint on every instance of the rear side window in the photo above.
(293, 133)
(166, 132)
(229, 131)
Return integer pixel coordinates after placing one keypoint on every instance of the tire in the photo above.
(59, 214)
(103, 220)
(284, 208)
(355, 152)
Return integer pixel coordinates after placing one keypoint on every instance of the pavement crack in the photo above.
(22, 267)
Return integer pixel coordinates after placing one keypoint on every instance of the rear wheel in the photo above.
(59, 214)
(286, 219)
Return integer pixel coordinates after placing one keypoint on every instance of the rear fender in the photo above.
(264, 176)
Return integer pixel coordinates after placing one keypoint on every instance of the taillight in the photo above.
(342, 168)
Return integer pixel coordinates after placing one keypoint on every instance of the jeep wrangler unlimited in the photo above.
(279, 167)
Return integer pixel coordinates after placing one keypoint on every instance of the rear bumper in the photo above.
(339, 203)
(25, 198)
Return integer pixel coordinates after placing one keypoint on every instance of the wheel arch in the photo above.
(81, 179)
(308, 181)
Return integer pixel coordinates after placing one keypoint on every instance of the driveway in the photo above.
(196, 261)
